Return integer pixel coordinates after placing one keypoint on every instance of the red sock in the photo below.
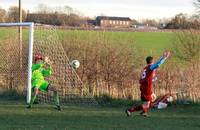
(135, 108)
(145, 109)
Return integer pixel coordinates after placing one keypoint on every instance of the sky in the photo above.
(135, 9)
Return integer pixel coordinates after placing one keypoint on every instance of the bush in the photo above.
(12, 95)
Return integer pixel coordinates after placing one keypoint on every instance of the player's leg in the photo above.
(145, 107)
(47, 87)
(36, 92)
(35, 87)
(55, 96)
(133, 109)
(147, 103)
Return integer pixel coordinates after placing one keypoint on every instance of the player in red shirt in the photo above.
(146, 83)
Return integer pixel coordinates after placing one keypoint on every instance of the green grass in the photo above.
(4, 32)
(147, 43)
(101, 118)
(153, 42)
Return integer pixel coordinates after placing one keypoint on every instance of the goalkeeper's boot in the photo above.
(58, 107)
(32, 101)
(128, 113)
(29, 106)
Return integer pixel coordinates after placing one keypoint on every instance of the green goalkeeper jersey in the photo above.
(38, 76)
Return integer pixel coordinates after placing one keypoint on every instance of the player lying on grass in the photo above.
(41, 69)
(163, 101)
(146, 83)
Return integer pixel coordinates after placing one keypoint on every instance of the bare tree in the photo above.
(43, 9)
(2, 15)
(67, 10)
(13, 14)
(197, 6)
(187, 45)
(183, 21)
(150, 22)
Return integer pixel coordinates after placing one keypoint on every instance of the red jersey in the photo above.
(146, 83)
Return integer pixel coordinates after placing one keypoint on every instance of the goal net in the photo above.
(16, 59)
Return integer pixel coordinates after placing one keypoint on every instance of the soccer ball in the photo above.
(75, 64)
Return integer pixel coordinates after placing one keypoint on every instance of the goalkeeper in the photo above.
(41, 69)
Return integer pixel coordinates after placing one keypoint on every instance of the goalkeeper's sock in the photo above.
(57, 101)
(32, 101)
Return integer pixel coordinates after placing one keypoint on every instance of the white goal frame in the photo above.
(30, 52)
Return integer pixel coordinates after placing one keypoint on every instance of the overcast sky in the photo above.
(136, 9)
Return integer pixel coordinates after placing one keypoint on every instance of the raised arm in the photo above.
(49, 70)
(156, 65)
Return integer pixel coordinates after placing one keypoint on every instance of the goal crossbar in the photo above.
(30, 52)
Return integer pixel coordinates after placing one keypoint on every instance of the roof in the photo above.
(113, 18)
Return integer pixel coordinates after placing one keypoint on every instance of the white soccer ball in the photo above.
(75, 64)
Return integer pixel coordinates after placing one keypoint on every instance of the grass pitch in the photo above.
(147, 43)
(17, 117)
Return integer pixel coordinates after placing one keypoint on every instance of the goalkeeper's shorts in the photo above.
(42, 85)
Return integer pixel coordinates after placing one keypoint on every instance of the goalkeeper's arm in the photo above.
(36, 66)
(49, 70)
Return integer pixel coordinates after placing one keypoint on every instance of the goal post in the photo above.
(30, 51)
(15, 64)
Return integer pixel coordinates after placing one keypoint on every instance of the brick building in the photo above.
(104, 21)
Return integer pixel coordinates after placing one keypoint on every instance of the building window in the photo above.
(105, 21)
(102, 21)
(117, 22)
(120, 22)
(127, 23)
(124, 23)
(113, 22)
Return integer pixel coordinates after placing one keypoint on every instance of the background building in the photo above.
(104, 21)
